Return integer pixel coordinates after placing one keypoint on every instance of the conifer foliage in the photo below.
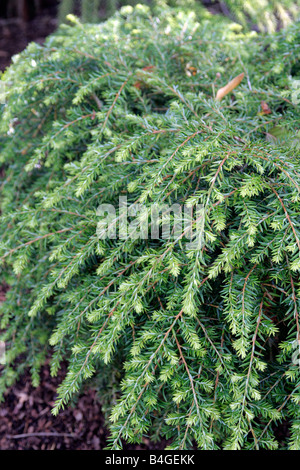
(194, 345)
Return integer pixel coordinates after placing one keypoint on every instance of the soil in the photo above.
(26, 422)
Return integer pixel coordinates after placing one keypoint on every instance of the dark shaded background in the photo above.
(23, 21)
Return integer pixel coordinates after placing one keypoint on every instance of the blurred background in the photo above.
(23, 21)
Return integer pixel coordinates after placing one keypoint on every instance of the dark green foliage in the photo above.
(193, 345)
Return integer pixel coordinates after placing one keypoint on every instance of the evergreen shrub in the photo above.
(195, 344)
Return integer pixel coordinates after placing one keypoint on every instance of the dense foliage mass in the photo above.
(191, 344)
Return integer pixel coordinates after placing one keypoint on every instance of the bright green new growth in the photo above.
(264, 15)
(193, 346)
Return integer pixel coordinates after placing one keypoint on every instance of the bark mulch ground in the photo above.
(16, 34)
(26, 422)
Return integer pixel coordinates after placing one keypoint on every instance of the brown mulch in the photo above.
(26, 422)
(3, 289)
